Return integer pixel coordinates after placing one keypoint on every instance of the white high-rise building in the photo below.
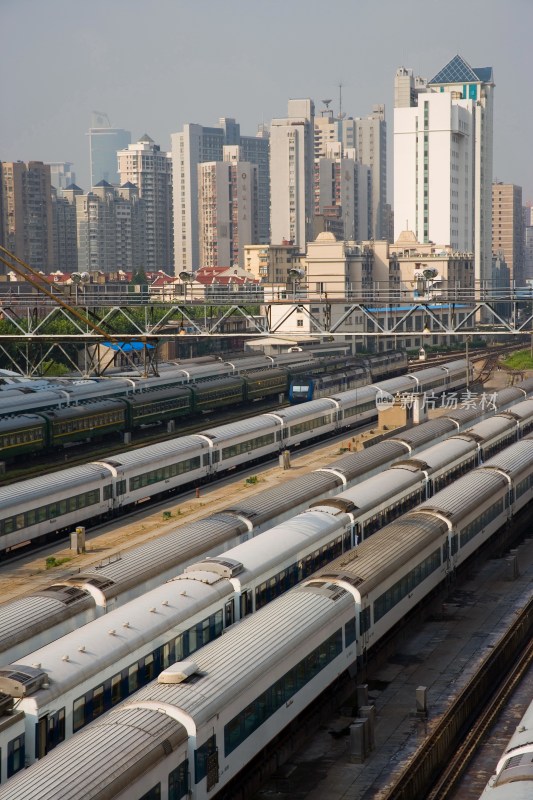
(227, 209)
(371, 146)
(291, 174)
(146, 166)
(443, 159)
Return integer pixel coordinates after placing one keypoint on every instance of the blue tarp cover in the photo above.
(127, 347)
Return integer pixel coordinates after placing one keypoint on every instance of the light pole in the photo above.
(186, 277)
(468, 340)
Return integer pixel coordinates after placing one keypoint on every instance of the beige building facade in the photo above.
(26, 223)
(508, 228)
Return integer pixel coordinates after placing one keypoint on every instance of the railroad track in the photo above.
(449, 744)
(447, 783)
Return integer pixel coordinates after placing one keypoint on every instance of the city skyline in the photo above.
(245, 65)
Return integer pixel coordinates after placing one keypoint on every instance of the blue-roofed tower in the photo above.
(443, 141)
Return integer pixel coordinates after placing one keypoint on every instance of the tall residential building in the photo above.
(130, 221)
(227, 209)
(197, 144)
(371, 145)
(291, 174)
(528, 243)
(342, 185)
(96, 229)
(110, 228)
(104, 144)
(61, 175)
(65, 230)
(508, 228)
(147, 167)
(326, 131)
(256, 150)
(443, 159)
(26, 207)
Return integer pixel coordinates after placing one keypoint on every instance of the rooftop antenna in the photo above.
(325, 111)
(341, 115)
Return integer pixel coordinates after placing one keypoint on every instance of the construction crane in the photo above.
(39, 282)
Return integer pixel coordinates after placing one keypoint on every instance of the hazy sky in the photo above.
(153, 65)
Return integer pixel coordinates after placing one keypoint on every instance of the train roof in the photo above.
(514, 459)
(19, 403)
(295, 413)
(465, 495)
(36, 610)
(443, 453)
(245, 426)
(115, 743)
(177, 447)
(184, 542)
(230, 664)
(268, 551)
(377, 489)
(20, 421)
(46, 486)
(433, 429)
(279, 499)
(112, 637)
(521, 410)
(95, 407)
(490, 427)
(369, 564)
(507, 395)
(154, 395)
(353, 465)
(360, 395)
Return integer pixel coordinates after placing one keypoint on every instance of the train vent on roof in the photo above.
(517, 768)
(20, 680)
(179, 672)
(225, 567)
(98, 583)
(412, 464)
(353, 580)
(65, 594)
(336, 502)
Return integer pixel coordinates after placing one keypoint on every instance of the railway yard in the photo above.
(434, 656)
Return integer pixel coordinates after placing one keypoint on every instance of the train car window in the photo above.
(201, 756)
(78, 714)
(246, 603)
(98, 701)
(149, 668)
(133, 678)
(364, 620)
(178, 781)
(153, 794)
(120, 487)
(349, 632)
(179, 650)
(116, 689)
(16, 753)
(165, 656)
